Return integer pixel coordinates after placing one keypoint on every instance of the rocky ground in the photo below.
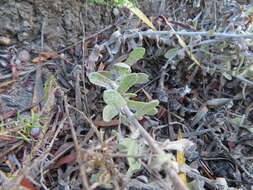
(52, 132)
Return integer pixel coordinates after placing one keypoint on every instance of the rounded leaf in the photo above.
(113, 98)
(135, 55)
(170, 54)
(109, 112)
(122, 68)
(101, 80)
(147, 108)
(129, 80)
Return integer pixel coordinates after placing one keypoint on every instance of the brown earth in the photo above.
(62, 21)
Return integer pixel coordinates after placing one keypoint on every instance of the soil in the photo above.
(51, 111)
(62, 22)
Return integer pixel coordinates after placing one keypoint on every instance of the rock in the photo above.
(24, 56)
(5, 40)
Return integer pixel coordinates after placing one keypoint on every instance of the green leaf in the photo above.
(109, 112)
(250, 130)
(141, 78)
(250, 10)
(133, 148)
(147, 108)
(170, 54)
(227, 76)
(136, 106)
(100, 80)
(211, 32)
(248, 72)
(135, 55)
(160, 160)
(130, 95)
(122, 68)
(113, 98)
(107, 74)
(131, 79)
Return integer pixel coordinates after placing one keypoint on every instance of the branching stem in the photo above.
(171, 171)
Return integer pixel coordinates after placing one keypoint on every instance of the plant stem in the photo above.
(171, 171)
(215, 34)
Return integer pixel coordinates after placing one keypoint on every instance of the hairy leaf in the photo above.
(141, 78)
(227, 75)
(135, 55)
(170, 54)
(160, 160)
(100, 80)
(113, 98)
(136, 106)
(122, 68)
(107, 74)
(133, 148)
(130, 95)
(109, 112)
(131, 79)
(147, 108)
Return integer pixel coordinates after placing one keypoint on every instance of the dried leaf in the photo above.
(137, 12)
(44, 56)
(3, 84)
(101, 67)
(179, 145)
(65, 160)
(218, 102)
(27, 184)
(7, 114)
(181, 159)
(5, 40)
(92, 59)
(106, 124)
(14, 71)
(183, 44)
(199, 115)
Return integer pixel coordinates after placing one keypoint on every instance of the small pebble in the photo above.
(24, 56)
(5, 40)
(115, 12)
(35, 131)
(3, 63)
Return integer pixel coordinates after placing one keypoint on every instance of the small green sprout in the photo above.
(117, 83)
(28, 124)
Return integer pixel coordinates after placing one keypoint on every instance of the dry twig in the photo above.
(77, 147)
(171, 171)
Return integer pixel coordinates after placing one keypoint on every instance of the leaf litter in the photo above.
(197, 63)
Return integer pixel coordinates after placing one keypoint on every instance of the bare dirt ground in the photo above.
(52, 132)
